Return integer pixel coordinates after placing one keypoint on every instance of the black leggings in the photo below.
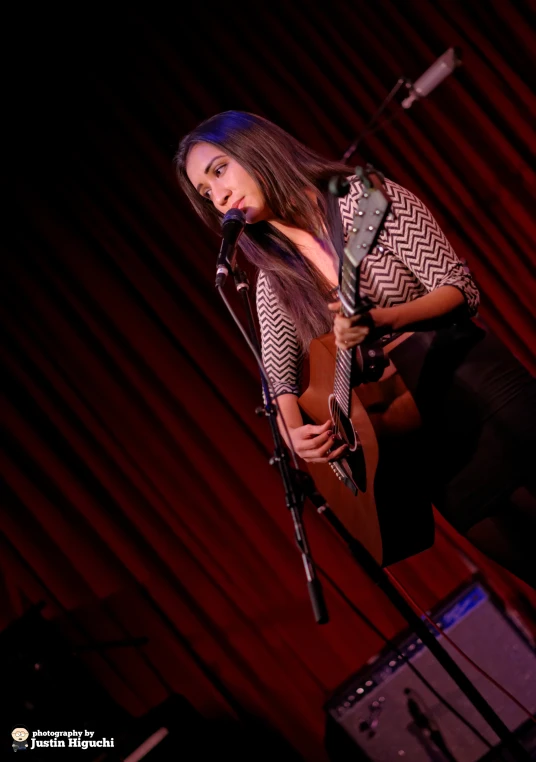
(478, 405)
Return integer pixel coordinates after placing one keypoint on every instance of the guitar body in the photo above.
(376, 490)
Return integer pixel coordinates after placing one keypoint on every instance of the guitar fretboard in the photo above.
(343, 379)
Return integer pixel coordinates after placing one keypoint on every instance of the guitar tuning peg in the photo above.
(339, 186)
(362, 174)
(370, 169)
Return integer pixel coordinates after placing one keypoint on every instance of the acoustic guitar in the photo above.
(375, 488)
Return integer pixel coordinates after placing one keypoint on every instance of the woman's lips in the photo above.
(239, 204)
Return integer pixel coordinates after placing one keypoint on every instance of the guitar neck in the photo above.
(373, 207)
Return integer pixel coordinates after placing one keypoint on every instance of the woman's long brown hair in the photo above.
(294, 181)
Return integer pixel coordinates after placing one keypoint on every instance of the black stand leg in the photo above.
(295, 490)
(378, 576)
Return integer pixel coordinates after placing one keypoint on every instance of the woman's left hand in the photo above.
(351, 331)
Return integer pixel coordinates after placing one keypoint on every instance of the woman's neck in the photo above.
(319, 251)
(304, 240)
(298, 236)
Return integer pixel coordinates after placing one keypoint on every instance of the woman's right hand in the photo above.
(313, 443)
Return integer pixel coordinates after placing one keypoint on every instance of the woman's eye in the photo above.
(217, 171)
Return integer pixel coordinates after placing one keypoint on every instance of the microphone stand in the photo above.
(424, 85)
(366, 129)
(297, 484)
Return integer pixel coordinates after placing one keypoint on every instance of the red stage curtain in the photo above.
(138, 498)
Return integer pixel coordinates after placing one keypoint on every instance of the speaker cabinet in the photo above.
(372, 706)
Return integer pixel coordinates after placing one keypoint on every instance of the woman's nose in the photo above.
(221, 196)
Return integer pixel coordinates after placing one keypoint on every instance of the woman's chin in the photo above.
(254, 214)
(251, 214)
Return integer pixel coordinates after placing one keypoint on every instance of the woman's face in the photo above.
(224, 181)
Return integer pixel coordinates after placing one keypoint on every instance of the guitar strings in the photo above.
(337, 412)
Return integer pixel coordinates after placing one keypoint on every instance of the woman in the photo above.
(477, 402)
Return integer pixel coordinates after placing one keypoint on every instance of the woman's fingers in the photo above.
(325, 456)
(350, 339)
(311, 429)
(315, 442)
(338, 452)
(319, 452)
(349, 331)
(320, 449)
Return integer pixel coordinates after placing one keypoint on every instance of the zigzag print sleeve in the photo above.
(281, 351)
(414, 236)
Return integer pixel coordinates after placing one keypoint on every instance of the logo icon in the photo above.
(20, 738)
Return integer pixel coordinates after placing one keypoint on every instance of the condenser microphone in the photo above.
(431, 78)
(232, 225)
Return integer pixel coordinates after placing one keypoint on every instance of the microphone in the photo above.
(431, 78)
(232, 225)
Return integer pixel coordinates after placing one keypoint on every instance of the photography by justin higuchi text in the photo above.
(25, 739)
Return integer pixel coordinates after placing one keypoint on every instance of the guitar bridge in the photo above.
(344, 474)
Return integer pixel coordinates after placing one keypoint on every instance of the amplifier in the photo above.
(374, 707)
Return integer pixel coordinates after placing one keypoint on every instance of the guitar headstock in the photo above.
(373, 208)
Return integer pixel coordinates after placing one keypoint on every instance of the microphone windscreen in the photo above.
(233, 216)
(444, 66)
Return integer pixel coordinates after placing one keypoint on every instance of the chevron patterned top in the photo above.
(412, 258)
